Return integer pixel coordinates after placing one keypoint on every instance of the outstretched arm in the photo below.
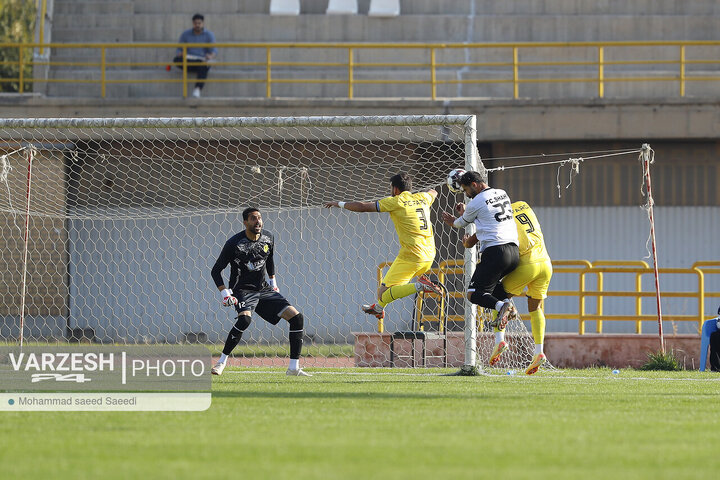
(353, 206)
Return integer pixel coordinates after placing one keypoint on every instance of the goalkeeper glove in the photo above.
(273, 284)
(228, 299)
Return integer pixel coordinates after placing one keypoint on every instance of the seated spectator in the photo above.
(197, 55)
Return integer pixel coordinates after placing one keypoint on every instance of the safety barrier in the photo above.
(514, 64)
(584, 269)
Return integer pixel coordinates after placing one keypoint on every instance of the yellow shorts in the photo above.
(402, 271)
(534, 276)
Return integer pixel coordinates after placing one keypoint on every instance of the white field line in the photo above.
(484, 374)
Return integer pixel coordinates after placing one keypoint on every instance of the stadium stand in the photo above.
(121, 21)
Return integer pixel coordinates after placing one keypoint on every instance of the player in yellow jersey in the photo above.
(534, 272)
(410, 213)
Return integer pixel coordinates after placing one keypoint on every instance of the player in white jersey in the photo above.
(491, 211)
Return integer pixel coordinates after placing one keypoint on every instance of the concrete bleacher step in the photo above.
(451, 7)
(66, 21)
(94, 35)
(82, 8)
(316, 89)
(560, 7)
(215, 7)
(431, 28)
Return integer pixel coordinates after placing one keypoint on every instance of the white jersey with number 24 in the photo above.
(492, 214)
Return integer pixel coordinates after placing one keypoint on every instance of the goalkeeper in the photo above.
(410, 213)
(534, 271)
(250, 253)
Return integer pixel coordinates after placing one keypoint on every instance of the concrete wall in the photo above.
(562, 350)
(498, 120)
(46, 294)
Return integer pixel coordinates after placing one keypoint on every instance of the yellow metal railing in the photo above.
(583, 269)
(510, 63)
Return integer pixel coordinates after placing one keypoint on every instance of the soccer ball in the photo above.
(452, 180)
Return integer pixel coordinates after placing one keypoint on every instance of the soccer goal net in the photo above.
(111, 226)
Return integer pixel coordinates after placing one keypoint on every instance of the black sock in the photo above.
(233, 338)
(296, 336)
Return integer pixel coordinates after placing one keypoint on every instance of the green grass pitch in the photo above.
(383, 424)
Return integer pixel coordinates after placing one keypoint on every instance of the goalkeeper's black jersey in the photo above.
(248, 261)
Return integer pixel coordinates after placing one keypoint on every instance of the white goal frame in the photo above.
(466, 122)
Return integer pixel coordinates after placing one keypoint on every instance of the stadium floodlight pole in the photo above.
(470, 256)
(30, 155)
(646, 161)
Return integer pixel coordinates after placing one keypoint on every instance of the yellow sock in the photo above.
(494, 316)
(537, 320)
(395, 292)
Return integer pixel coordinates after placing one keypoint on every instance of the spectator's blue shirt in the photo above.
(205, 37)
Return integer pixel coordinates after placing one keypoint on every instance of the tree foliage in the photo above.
(17, 25)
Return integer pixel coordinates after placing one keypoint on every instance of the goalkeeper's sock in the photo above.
(294, 364)
(395, 292)
(537, 321)
(223, 358)
(538, 349)
(295, 337)
(233, 338)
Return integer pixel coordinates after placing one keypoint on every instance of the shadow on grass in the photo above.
(348, 395)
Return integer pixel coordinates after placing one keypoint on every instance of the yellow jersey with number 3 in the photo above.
(532, 245)
(410, 213)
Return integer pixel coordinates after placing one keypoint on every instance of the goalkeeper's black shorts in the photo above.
(266, 303)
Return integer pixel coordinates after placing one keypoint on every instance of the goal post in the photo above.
(126, 216)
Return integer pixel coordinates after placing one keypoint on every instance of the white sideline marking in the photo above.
(484, 374)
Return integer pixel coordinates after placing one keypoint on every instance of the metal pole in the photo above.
(646, 167)
(470, 255)
(31, 153)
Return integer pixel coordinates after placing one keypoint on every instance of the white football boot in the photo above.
(218, 368)
(297, 373)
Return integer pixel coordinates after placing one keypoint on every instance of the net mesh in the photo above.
(125, 218)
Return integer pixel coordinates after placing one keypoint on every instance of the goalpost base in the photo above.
(466, 371)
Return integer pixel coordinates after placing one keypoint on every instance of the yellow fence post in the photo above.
(433, 78)
(516, 89)
(601, 72)
(102, 71)
(599, 304)
(184, 69)
(581, 307)
(350, 72)
(268, 90)
(682, 70)
(638, 303)
(701, 298)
